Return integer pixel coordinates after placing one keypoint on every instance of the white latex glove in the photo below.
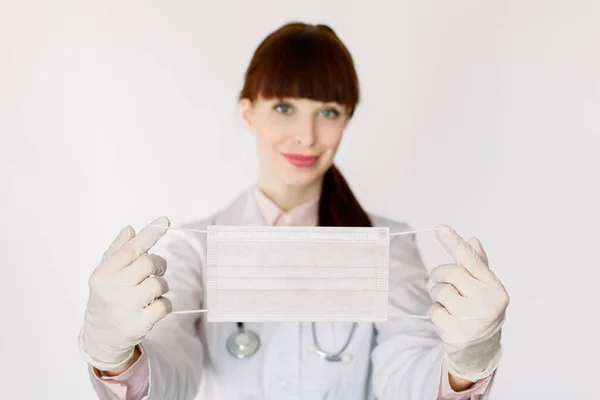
(125, 298)
(469, 308)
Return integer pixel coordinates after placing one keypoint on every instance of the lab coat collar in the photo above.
(243, 210)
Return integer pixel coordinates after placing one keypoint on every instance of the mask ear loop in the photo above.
(178, 228)
(417, 231)
(204, 231)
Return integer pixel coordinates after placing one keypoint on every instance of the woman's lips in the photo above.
(301, 161)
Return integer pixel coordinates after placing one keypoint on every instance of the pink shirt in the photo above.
(133, 384)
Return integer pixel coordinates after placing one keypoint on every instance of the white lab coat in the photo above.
(400, 359)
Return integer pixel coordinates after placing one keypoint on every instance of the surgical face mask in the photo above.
(297, 274)
(266, 273)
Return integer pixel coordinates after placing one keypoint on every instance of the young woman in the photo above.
(300, 92)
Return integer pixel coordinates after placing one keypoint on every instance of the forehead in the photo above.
(298, 101)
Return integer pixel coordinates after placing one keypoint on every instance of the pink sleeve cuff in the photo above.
(130, 385)
(475, 392)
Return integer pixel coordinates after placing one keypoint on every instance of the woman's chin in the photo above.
(301, 179)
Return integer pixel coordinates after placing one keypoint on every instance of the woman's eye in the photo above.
(330, 113)
(282, 108)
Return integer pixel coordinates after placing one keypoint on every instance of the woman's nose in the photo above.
(306, 135)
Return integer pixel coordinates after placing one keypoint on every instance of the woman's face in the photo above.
(296, 138)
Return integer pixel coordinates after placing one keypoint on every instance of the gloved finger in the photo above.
(140, 244)
(464, 254)
(478, 247)
(160, 308)
(438, 314)
(123, 237)
(448, 296)
(150, 289)
(457, 276)
(142, 268)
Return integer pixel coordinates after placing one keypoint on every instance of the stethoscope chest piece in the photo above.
(243, 343)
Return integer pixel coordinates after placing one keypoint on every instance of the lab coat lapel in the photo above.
(242, 211)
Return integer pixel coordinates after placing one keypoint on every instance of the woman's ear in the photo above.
(246, 111)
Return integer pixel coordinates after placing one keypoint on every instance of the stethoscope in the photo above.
(245, 343)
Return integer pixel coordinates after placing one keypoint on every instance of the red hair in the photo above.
(300, 60)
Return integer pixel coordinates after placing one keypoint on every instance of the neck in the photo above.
(287, 197)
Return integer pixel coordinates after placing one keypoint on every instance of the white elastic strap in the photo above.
(409, 316)
(189, 311)
(204, 231)
(417, 231)
(392, 315)
(177, 228)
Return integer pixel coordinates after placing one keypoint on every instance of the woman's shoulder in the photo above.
(394, 224)
(199, 224)
(234, 207)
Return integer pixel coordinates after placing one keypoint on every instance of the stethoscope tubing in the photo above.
(245, 343)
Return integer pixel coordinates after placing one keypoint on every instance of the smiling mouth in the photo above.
(301, 161)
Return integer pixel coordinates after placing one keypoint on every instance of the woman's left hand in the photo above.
(469, 308)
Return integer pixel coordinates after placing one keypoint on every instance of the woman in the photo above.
(300, 91)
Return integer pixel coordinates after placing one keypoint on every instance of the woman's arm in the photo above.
(458, 384)
(136, 354)
(473, 391)
(131, 384)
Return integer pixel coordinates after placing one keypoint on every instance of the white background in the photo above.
(481, 115)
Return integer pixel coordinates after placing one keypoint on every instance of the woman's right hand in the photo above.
(125, 298)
